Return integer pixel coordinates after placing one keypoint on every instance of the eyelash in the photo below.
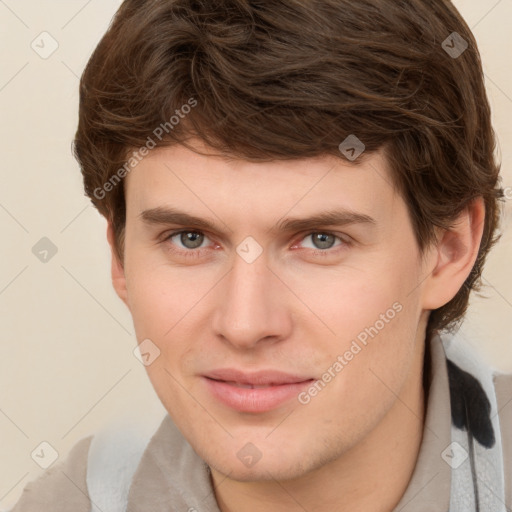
(197, 252)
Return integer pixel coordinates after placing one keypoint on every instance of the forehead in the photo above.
(215, 186)
(160, 163)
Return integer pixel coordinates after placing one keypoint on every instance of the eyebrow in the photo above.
(166, 215)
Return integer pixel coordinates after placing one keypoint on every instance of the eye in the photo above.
(189, 240)
(322, 240)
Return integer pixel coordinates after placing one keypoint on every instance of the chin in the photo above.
(262, 471)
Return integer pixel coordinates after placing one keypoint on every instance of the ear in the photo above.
(117, 270)
(454, 256)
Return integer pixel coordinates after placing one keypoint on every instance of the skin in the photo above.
(354, 445)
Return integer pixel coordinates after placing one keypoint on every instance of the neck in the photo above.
(371, 477)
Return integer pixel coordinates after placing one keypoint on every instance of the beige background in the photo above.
(66, 361)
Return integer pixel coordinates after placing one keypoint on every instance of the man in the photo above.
(300, 197)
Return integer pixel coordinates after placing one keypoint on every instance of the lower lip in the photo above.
(255, 400)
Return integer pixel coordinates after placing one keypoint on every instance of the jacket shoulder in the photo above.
(62, 487)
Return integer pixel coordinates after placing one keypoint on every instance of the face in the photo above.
(276, 332)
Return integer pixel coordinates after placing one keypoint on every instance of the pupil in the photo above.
(321, 238)
(192, 237)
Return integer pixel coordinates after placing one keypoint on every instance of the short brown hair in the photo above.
(288, 79)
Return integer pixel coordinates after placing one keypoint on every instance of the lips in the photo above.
(254, 392)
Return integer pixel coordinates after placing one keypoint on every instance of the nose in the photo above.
(253, 306)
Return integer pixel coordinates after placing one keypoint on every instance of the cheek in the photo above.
(366, 371)
(167, 306)
(339, 305)
(161, 296)
(162, 303)
(374, 315)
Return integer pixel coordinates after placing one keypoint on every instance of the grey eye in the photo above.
(191, 239)
(323, 240)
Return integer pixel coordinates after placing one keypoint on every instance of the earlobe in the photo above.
(454, 256)
(117, 270)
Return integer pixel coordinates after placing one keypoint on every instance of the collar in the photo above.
(429, 487)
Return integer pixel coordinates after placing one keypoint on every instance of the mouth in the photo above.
(255, 392)
(248, 386)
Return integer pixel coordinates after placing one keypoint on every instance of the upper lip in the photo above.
(258, 378)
